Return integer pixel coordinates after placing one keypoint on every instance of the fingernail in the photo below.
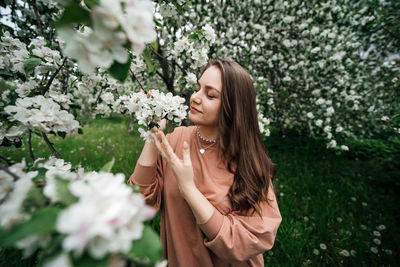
(185, 145)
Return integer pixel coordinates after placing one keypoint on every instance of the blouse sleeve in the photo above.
(150, 178)
(236, 238)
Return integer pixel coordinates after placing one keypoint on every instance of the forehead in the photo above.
(212, 77)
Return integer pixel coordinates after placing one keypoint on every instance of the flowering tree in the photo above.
(326, 68)
(324, 62)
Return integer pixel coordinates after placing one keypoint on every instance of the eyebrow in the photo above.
(209, 87)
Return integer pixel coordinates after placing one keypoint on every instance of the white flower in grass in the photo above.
(344, 148)
(374, 250)
(322, 246)
(363, 227)
(376, 233)
(344, 253)
(353, 252)
(385, 118)
(381, 227)
(339, 219)
(310, 115)
(318, 122)
(332, 144)
(364, 204)
(316, 251)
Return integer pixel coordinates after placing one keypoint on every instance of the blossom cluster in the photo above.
(150, 108)
(115, 24)
(13, 193)
(105, 217)
(42, 113)
(14, 54)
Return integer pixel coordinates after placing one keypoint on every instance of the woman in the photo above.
(213, 181)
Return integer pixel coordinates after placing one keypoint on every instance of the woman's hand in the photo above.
(182, 169)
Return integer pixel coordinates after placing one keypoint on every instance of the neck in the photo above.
(210, 133)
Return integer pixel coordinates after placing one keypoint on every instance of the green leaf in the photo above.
(148, 247)
(147, 58)
(108, 166)
(42, 222)
(63, 191)
(120, 71)
(73, 13)
(86, 261)
(91, 3)
(155, 45)
(6, 72)
(158, 23)
(34, 198)
(31, 63)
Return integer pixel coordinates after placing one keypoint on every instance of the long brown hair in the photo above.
(240, 139)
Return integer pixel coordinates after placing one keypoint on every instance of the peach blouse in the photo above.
(227, 238)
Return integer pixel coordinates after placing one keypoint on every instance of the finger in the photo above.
(186, 154)
(167, 148)
(158, 146)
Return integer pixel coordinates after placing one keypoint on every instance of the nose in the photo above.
(196, 97)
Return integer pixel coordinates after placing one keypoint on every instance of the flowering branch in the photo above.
(6, 160)
(4, 168)
(52, 78)
(133, 74)
(46, 139)
(37, 17)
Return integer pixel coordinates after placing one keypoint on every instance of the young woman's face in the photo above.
(205, 102)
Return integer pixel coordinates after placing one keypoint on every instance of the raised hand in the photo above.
(182, 168)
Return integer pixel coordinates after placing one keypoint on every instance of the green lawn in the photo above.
(337, 209)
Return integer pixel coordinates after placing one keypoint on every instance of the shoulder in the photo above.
(180, 133)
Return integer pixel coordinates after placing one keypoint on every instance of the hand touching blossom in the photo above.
(182, 168)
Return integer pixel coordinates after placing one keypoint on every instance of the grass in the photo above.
(326, 200)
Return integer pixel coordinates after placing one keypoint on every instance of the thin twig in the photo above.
(9, 162)
(52, 78)
(4, 168)
(37, 17)
(46, 139)
(141, 86)
(30, 145)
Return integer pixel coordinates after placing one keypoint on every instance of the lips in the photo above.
(195, 109)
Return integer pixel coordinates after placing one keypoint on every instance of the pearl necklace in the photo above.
(203, 150)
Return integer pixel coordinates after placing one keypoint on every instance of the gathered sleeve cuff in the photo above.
(150, 179)
(236, 238)
(150, 182)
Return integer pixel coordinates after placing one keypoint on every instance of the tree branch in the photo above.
(52, 78)
(140, 84)
(9, 162)
(35, 9)
(46, 139)
(4, 168)
(30, 145)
